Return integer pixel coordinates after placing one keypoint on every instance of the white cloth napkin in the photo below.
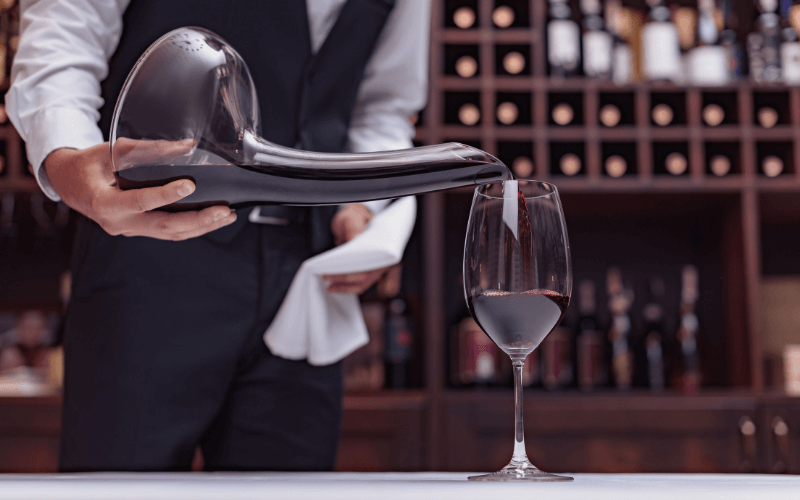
(324, 327)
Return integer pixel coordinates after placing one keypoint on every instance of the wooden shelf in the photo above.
(386, 400)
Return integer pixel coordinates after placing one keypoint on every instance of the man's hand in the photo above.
(348, 223)
(85, 181)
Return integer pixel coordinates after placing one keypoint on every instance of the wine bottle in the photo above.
(363, 370)
(685, 21)
(522, 166)
(476, 357)
(562, 114)
(610, 115)
(590, 351)
(653, 335)
(570, 164)
(464, 17)
(563, 41)
(713, 114)
(772, 166)
(8, 228)
(767, 116)
(597, 43)
(729, 39)
(398, 345)
(790, 46)
(466, 66)
(763, 45)
(507, 113)
(662, 114)
(620, 300)
(469, 114)
(616, 166)
(621, 53)
(503, 16)
(708, 62)
(556, 359)
(720, 165)
(675, 163)
(689, 377)
(661, 58)
(514, 63)
(532, 370)
(3, 48)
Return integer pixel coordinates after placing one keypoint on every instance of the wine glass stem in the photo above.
(519, 429)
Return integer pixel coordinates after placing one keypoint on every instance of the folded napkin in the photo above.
(324, 327)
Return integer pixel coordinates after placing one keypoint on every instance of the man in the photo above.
(163, 340)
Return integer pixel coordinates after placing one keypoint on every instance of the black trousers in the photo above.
(164, 351)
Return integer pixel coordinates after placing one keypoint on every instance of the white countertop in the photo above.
(387, 486)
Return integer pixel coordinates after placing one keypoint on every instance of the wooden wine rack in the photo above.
(745, 199)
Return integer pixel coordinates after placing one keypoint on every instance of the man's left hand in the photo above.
(348, 223)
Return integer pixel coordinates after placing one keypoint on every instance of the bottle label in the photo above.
(477, 355)
(556, 358)
(755, 43)
(597, 49)
(532, 370)
(623, 62)
(661, 57)
(790, 62)
(563, 44)
(591, 360)
(708, 65)
(655, 361)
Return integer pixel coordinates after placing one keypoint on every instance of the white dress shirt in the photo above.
(65, 45)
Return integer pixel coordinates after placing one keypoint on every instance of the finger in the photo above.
(132, 151)
(354, 227)
(356, 289)
(146, 199)
(349, 277)
(355, 283)
(346, 279)
(169, 226)
(225, 221)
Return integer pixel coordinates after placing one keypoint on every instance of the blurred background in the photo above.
(672, 130)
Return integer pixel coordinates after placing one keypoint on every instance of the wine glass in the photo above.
(517, 282)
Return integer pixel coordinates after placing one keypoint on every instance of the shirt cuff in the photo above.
(56, 128)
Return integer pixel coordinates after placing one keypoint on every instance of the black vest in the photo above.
(306, 100)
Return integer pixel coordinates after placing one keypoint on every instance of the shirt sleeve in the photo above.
(54, 99)
(395, 84)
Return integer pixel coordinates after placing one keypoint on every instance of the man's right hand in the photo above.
(85, 181)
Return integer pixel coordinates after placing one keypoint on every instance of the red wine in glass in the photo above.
(517, 283)
(518, 321)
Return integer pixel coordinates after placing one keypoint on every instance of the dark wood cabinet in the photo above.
(605, 433)
(385, 432)
(610, 432)
(379, 433)
(780, 435)
(29, 434)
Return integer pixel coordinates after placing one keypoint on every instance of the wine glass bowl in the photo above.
(517, 283)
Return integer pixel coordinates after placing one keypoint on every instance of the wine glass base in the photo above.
(519, 473)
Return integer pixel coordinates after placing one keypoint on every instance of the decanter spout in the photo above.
(331, 178)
